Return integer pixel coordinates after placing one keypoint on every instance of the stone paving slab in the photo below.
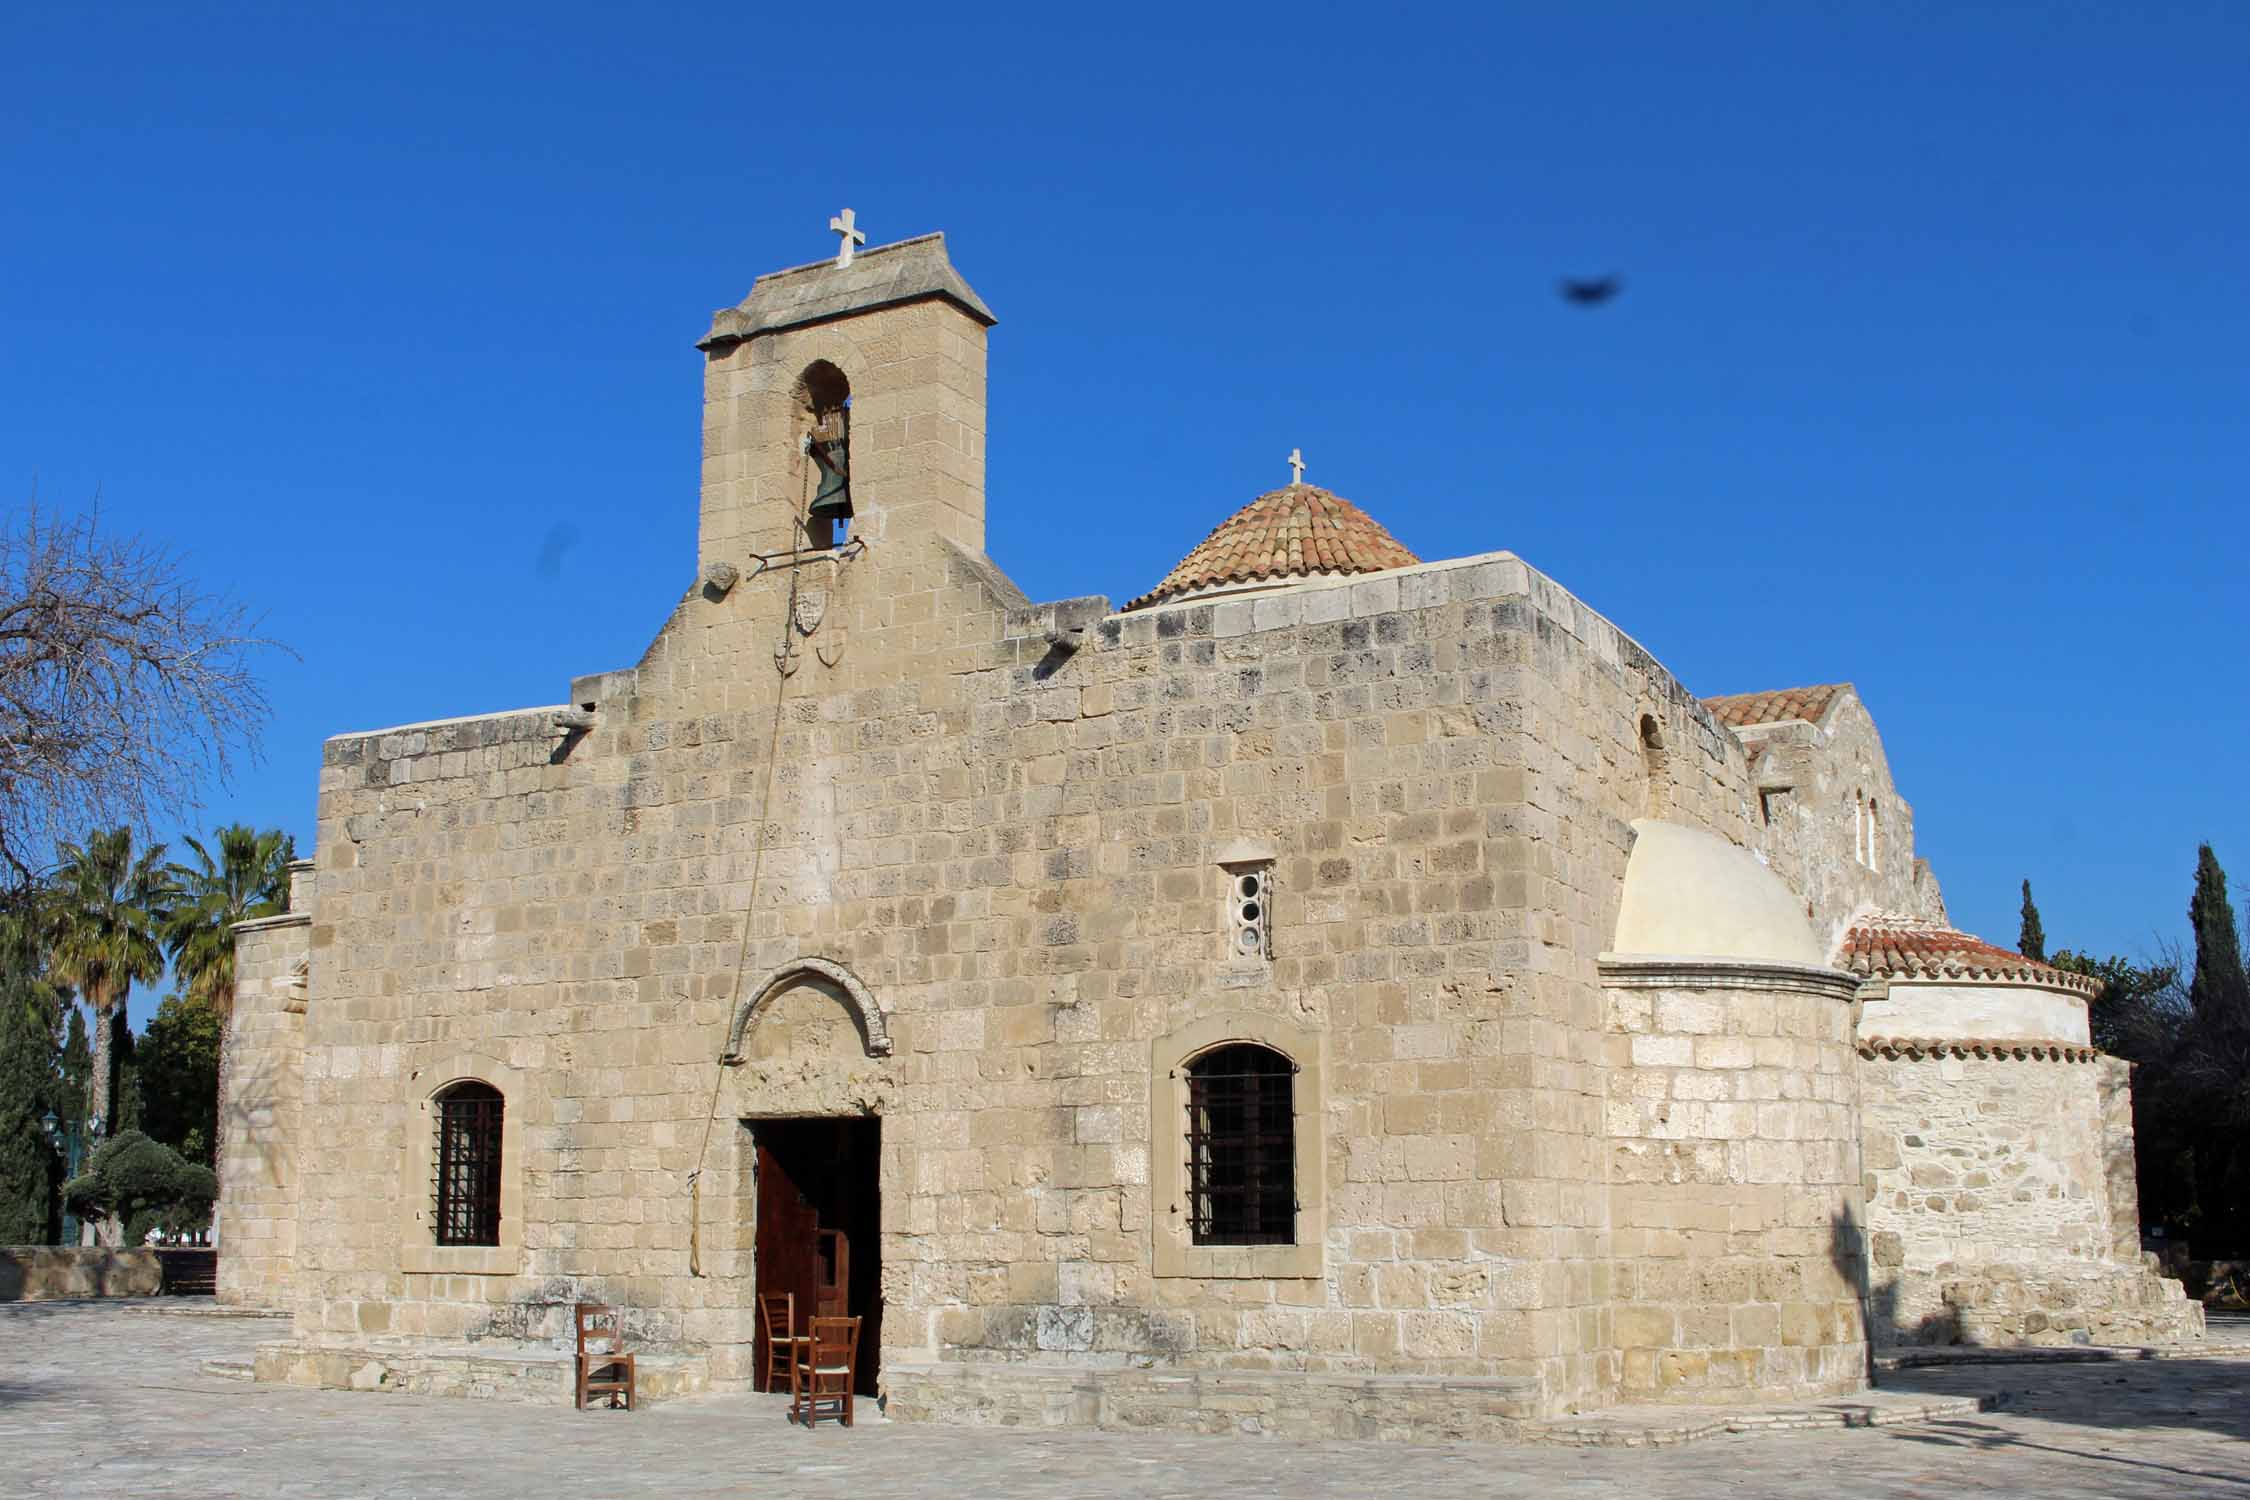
(1670, 1426)
(97, 1401)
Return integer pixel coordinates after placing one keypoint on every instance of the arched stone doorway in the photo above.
(809, 1074)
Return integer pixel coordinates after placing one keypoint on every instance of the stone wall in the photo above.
(256, 1216)
(2120, 1159)
(1733, 1171)
(1015, 850)
(1988, 1198)
(1811, 780)
(41, 1273)
(865, 832)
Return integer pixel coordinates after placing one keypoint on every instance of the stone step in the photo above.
(1670, 1426)
(485, 1372)
(230, 1369)
(1940, 1355)
(1286, 1403)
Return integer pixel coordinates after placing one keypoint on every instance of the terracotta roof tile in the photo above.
(1741, 710)
(1918, 1047)
(1884, 945)
(1295, 532)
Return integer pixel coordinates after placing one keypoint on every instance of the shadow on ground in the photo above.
(2094, 1401)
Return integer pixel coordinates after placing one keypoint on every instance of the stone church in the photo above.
(1332, 993)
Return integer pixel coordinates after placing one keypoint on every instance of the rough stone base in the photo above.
(482, 1373)
(40, 1273)
(2014, 1305)
(1391, 1408)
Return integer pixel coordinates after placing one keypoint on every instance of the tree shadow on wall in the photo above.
(1850, 1252)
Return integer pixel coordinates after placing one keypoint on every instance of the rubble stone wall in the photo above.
(1988, 1199)
(1811, 781)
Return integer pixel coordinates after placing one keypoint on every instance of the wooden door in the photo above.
(787, 1221)
(819, 1235)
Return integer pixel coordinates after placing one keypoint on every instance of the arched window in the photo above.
(1859, 828)
(827, 415)
(1242, 1147)
(468, 1164)
(1874, 837)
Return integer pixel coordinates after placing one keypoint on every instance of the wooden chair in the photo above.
(604, 1366)
(829, 1371)
(784, 1344)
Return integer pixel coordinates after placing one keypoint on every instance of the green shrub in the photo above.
(145, 1185)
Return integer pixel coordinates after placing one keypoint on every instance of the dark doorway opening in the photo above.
(820, 1223)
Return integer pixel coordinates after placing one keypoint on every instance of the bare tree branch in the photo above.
(125, 690)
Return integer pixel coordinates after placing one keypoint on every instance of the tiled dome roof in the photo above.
(1887, 945)
(1299, 531)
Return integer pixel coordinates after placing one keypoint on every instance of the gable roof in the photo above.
(1892, 945)
(1298, 531)
(1741, 710)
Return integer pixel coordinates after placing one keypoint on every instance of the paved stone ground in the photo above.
(103, 1399)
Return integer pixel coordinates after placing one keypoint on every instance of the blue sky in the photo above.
(1929, 372)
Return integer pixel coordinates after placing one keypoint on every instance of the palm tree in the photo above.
(249, 879)
(104, 911)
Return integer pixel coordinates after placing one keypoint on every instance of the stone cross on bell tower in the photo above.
(1296, 466)
(842, 224)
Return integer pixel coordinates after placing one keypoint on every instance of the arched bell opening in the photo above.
(824, 398)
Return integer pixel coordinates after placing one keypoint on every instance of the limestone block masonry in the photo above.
(1734, 1180)
(868, 838)
(256, 1217)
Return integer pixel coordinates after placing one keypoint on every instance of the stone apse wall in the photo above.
(256, 1216)
(1989, 1172)
(1999, 1160)
(1734, 1171)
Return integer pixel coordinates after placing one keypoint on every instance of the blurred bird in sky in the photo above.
(1591, 293)
(560, 538)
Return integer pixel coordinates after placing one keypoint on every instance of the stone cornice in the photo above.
(268, 924)
(912, 270)
(1670, 971)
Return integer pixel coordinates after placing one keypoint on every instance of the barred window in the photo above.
(468, 1164)
(1241, 1139)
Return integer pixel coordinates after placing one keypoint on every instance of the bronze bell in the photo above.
(830, 447)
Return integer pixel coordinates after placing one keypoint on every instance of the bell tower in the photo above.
(845, 399)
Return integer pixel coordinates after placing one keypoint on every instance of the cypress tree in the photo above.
(125, 1099)
(27, 1157)
(75, 1070)
(2219, 991)
(2031, 938)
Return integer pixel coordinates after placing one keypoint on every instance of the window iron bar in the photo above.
(1241, 1148)
(466, 1185)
